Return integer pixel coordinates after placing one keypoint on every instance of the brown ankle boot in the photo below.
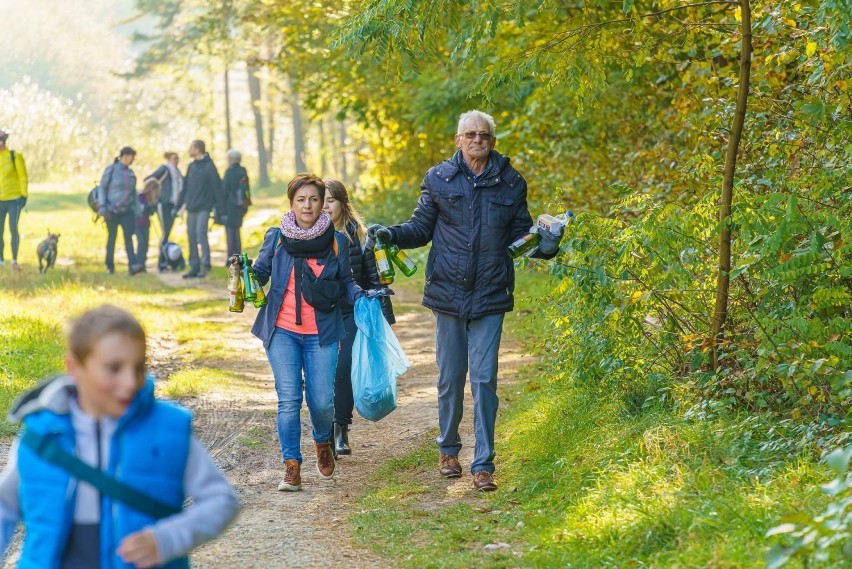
(292, 476)
(325, 459)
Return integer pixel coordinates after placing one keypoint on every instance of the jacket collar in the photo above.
(55, 395)
(497, 163)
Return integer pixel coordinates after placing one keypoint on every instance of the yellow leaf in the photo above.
(791, 23)
(738, 14)
(811, 48)
(812, 390)
(635, 297)
(796, 413)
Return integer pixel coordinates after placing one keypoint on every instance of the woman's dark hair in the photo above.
(168, 155)
(199, 144)
(303, 180)
(125, 151)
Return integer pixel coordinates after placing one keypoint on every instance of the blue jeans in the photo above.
(461, 345)
(290, 354)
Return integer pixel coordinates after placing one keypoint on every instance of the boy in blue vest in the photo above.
(102, 419)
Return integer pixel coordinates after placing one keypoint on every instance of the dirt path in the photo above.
(309, 528)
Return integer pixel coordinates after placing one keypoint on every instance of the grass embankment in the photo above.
(184, 320)
(589, 481)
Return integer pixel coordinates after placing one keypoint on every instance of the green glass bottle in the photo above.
(526, 244)
(401, 260)
(383, 263)
(250, 295)
(259, 294)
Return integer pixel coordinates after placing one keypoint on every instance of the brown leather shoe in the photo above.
(325, 459)
(292, 476)
(449, 466)
(484, 481)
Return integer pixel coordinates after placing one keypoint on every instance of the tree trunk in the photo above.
(720, 311)
(341, 153)
(270, 120)
(254, 93)
(227, 111)
(323, 146)
(298, 128)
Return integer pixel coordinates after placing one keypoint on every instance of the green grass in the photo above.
(36, 307)
(196, 381)
(587, 480)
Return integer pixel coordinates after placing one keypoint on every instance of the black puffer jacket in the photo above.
(202, 188)
(469, 273)
(366, 274)
(231, 210)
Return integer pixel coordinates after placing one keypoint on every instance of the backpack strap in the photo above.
(48, 450)
(12, 156)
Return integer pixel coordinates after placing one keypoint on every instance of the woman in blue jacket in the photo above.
(301, 325)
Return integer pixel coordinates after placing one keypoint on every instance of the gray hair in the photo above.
(474, 114)
(234, 156)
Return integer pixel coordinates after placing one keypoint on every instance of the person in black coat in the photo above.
(201, 195)
(171, 188)
(362, 258)
(236, 198)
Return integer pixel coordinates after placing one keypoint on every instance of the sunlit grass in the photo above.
(196, 381)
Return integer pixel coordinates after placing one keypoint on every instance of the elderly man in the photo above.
(471, 207)
(235, 201)
(13, 196)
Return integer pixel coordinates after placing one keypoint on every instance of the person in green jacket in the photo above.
(13, 196)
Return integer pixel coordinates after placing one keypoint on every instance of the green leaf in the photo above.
(839, 459)
(777, 556)
(780, 529)
(626, 6)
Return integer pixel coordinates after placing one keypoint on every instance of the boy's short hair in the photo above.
(87, 329)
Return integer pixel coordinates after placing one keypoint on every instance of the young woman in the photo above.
(117, 205)
(171, 186)
(301, 325)
(348, 221)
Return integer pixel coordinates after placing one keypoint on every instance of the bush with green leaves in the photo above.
(828, 536)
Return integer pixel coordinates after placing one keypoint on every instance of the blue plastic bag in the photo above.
(377, 360)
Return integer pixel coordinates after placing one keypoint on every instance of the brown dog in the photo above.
(47, 251)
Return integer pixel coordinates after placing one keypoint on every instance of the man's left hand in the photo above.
(549, 243)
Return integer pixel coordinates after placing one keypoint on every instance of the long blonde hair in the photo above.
(348, 214)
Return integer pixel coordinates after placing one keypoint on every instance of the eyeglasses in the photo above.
(486, 136)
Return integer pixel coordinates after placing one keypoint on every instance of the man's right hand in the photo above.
(381, 233)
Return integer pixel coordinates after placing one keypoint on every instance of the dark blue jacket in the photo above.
(117, 191)
(275, 263)
(469, 273)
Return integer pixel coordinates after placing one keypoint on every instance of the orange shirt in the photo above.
(287, 315)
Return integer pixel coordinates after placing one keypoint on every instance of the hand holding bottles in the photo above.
(378, 292)
(380, 233)
(236, 302)
(544, 236)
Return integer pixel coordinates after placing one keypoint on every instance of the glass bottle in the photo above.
(259, 294)
(401, 260)
(250, 294)
(236, 300)
(383, 263)
(527, 245)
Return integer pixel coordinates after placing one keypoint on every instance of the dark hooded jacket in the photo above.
(469, 273)
(202, 186)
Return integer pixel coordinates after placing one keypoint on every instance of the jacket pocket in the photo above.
(450, 208)
(499, 211)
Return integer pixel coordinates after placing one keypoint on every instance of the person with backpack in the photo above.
(171, 188)
(201, 195)
(118, 204)
(236, 198)
(13, 196)
(348, 222)
(301, 325)
(102, 468)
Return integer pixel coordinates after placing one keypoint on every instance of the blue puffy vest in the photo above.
(148, 451)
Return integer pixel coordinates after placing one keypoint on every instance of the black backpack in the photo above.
(93, 198)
